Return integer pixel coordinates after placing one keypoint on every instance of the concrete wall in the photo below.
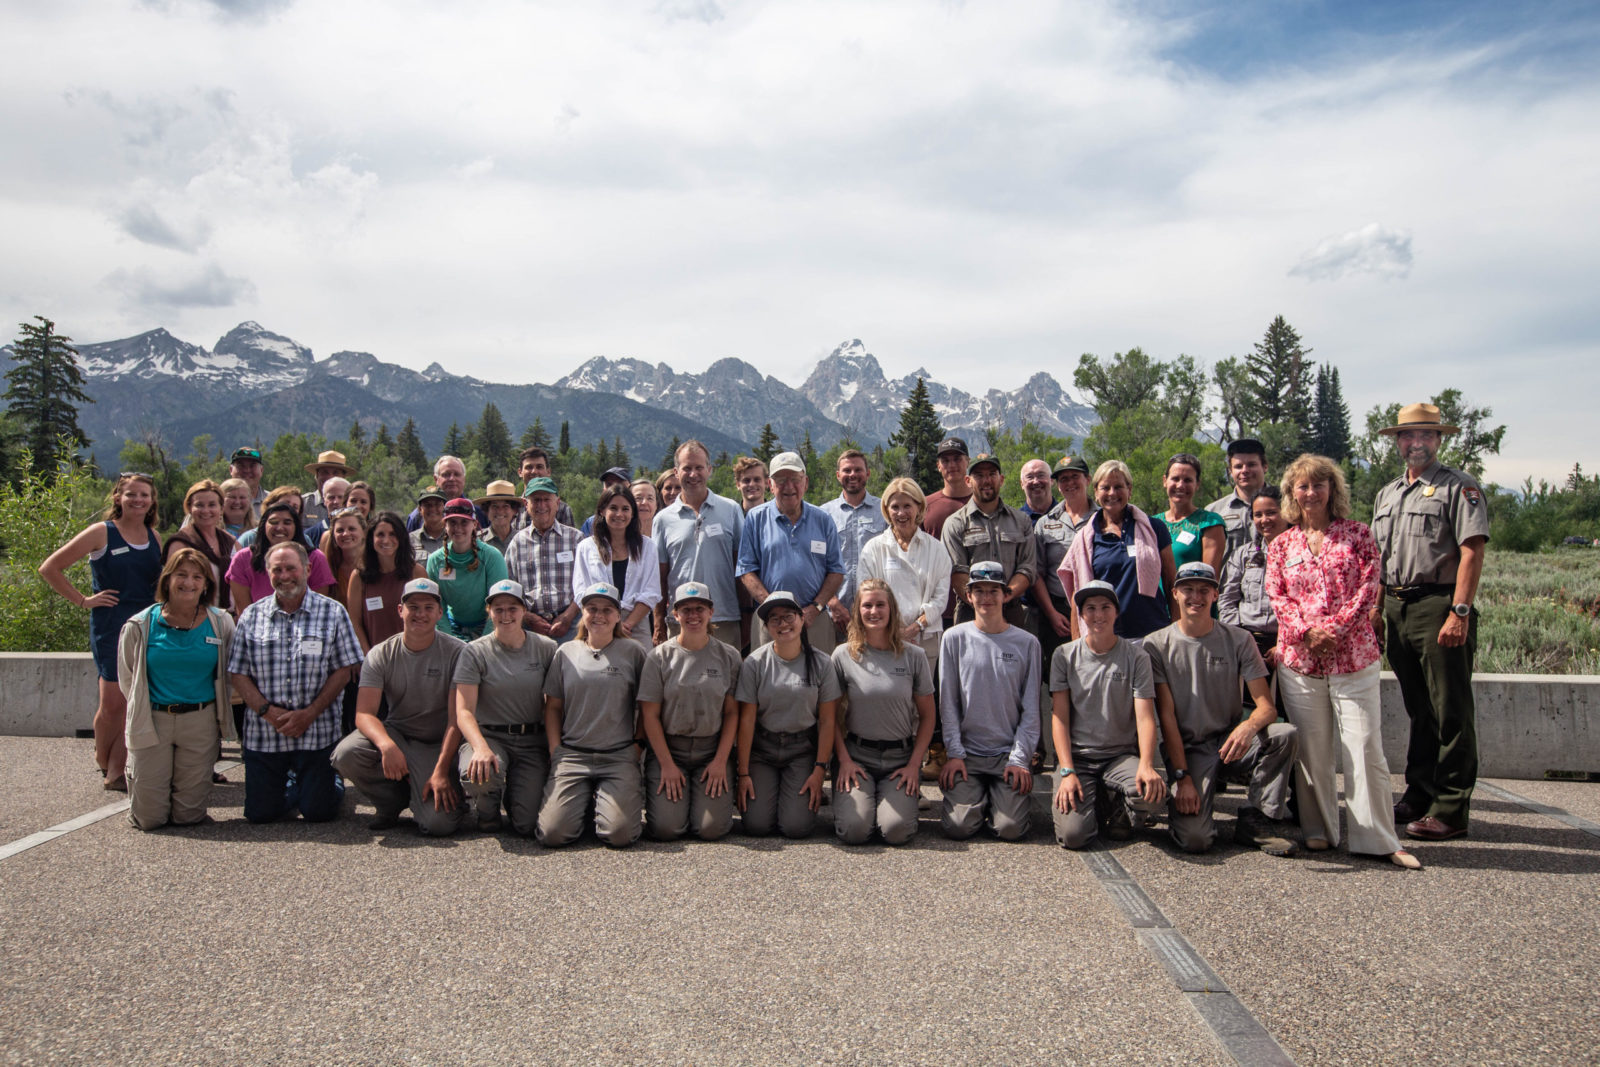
(1527, 723)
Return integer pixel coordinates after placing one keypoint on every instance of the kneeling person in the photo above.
(691, 720)
(408, 760)
(505, 756)
(1104, 715)
(989, 709)
(1198, 665)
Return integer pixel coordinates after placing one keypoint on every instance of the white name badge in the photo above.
(819, 548)
(1295, 561)
(447, 576)
(119, 551)
(1133, 551)
(563, 557)
(213, 640)
(1186, 538)
(311, 646)
(893, 565)
(374, 603)
(713, 529)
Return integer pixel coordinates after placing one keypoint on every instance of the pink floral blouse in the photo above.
(1335, 591)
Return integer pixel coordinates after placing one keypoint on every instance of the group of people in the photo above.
(684, 659)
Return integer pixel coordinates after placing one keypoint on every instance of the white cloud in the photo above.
(988, 190)
(1373, 249)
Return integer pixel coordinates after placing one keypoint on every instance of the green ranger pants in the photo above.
(1436, 684)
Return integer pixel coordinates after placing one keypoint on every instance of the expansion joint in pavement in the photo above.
(1240, 1033)
(1558, 814)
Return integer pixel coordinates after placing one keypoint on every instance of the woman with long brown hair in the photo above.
(203, 531)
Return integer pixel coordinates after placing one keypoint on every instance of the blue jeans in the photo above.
(276, 783)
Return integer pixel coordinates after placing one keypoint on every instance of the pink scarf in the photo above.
(1077, 568)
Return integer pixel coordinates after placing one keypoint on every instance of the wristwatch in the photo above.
(1462, 610)
(1065, 772)
(1180, 773)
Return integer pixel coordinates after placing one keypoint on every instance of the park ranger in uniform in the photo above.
(1431, 524)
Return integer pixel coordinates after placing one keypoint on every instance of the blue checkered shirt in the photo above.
(289, 657)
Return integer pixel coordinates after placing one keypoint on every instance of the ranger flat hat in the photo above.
(498, 493)
(1070, 463)
(1419, 417)
(330, 459)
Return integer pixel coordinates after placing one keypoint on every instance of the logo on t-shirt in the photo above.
(432, 672)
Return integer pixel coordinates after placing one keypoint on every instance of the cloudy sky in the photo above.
(986, 189)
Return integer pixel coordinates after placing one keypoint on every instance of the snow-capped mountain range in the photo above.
(256, 383)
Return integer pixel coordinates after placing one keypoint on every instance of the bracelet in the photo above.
(821, 764)
(745, 774)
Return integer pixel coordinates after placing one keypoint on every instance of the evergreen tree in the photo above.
(410, 448)
(768, 446)
(723, 460)
(670, 460)
(536, 436)
(358, 436)
(619, 455)
(920, 434)
(383, 440)
(454, 440)
(494, 442)
(45, 388)
(566, 438)
(1331, 422)
(808, 456)
(1280, 381)
(602, 457)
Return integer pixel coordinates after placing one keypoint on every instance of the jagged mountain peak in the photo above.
(261, 348)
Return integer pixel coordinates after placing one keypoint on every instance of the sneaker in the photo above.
(934, 763)
(1272, 836)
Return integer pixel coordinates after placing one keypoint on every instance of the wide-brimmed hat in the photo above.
(1196, 572)
(498, 493)
(505, 587)
(330, 459)
(601, 589)
(1419, 417)
(1070, 463)
(987, 572)
(778, 598)
(424, 586)
(1095, 588)
(692, 591)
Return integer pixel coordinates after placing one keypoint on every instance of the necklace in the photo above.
(169, 617)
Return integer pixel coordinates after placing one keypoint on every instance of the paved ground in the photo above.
(328, 944)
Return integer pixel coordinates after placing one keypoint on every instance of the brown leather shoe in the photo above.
(1432, 828)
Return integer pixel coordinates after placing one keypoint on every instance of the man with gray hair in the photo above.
(291, 656)
(450, 478)
(791, 545)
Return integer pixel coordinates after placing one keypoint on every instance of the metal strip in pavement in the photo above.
(23, 844)
(1558, 814)
(1240, 1033)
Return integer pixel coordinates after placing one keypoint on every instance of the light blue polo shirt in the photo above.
(702, 547)
(795, 556)
(857, 526)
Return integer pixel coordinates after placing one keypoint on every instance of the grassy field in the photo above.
(1539, 612)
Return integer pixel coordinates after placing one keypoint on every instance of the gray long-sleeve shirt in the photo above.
(989, 696)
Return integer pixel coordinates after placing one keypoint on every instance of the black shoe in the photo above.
(1272, 836)
(1119, 824)
(383, 821)
(1404, 812)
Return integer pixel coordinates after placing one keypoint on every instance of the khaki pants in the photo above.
(610, 779)
(877, 803)
(707, 817)
(170, 780)
(359, 760)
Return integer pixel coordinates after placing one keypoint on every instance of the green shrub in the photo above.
(37, 516)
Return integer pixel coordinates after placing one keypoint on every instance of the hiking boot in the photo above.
(1119, 824)
(383, 820)
(934, 763)
(1272, 836)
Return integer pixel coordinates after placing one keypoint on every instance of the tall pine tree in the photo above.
(44, 391)
(411, 451)
(1280, 384)
(619, 455)
(383, 440)
(768, 445)
(494, 442)
(536, 436)
(566, 438)
(920, 434)
(454, 439)
(1331, 421)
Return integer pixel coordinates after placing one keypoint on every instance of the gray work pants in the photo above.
(610, 779)
(707, 817)
(878, 802)
(779, 766)
(1266, 767)
(359, 760)
(984, 797)
(1105, 782)
(518, 784)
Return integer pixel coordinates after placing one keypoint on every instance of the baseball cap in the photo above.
(504, 587)
(424, 586)
(986, 573)
(952, 444)
(786, 461)
(1196, 572)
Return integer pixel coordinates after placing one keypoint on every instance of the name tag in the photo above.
(447, 576)
(1295, 561)
(1133, 551)
(819, 548)
(563, 557)
(713, 529)
(213, 640)
(1185, 538)
(374, 603)
(893, 565)
(119, 551)
(311, 646)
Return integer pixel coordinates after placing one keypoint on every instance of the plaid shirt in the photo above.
(542, 564)
(289, 657)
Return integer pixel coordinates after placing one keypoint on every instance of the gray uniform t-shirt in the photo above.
(989, 697)
(1206, 676)
(510, 681)
(690, 685)
(882, 690)
(1102, 689)
(598, 691)
(416, 684)
(785, 704)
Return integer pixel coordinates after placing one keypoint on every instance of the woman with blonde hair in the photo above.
(172, 670)
(1324, 580)
(202, 531)
(124, 563)
(237, 514)
(667, 488)
(1125, 549)
(885, 723)
(913, 563)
